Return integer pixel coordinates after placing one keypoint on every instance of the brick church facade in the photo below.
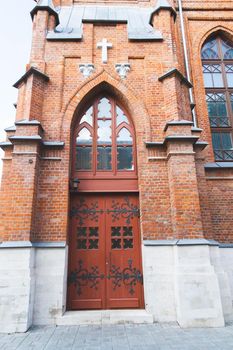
(117, 184)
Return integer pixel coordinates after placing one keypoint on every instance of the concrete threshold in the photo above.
(72, 318)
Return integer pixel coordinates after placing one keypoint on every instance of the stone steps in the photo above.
(104, 317)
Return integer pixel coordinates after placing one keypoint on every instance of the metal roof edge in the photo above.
(49, 7)
(31, 71)
(176, 72)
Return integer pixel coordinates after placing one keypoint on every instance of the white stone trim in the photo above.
(104, 46)
(122, 69)
(29, 244)
(86, 69)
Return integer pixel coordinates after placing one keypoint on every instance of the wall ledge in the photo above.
(29, 244)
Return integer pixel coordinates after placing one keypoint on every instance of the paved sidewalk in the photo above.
(120, 337)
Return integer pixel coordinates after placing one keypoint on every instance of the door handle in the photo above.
(108, 261)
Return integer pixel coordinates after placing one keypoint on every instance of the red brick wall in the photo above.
(177, 198)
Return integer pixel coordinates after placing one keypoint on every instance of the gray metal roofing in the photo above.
(44, 3)
(72, 19)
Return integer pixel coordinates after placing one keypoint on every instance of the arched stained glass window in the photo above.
(104, 139)
(217, 62)
(210, 50)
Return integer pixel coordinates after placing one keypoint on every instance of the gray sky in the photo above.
(15, 39)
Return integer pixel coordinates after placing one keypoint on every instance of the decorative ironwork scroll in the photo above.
(81, 277)
(125, 210)
(83, 211)
(129, 276)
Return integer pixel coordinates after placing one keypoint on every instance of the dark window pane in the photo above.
(229, 54)
(229, 72)
(93, 231)
(104, 158)
(216, 139)
(223, 146)
(231, 97)
(227, 50)
(128, 243)
(228, 155)
(212, 75)
(219, 155)
(81, 244)
(127, 231)
(125, 158)
(210, 50)
(222, 141)
(116, 231)
(116, 243)
(93, 243)
(83, 158)
(219, 122)
(217, 110)
(217, 101)
(82, 231)
(226, 140)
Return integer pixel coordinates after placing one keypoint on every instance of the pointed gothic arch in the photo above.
(104, 139)
(217, 64)
(103, 146)
(128, 98)
(214, 31)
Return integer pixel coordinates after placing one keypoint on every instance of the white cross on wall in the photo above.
(104, 45)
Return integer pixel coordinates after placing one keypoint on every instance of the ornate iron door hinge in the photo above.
(125, 210)
(128, 276)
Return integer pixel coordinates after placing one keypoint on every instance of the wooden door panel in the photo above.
(87, 304)
(124, 286)
(87, 253)
(105, 253)
(124, 303)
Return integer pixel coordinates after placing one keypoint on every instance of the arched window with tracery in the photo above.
(104, 141)
(217, 62)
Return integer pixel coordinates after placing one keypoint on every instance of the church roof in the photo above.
(72, 18)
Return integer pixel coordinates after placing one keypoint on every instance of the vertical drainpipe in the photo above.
(186, 60)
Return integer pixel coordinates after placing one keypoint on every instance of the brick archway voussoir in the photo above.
(136, 107)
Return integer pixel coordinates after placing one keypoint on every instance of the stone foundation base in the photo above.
(189, 282)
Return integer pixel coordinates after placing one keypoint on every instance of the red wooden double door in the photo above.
(105, 269)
